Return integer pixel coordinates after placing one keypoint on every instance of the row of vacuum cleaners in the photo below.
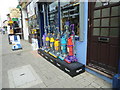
(60, 49)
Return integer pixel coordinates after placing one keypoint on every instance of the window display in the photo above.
(59, 38)
(34, 31)
(61, 43)
(70, 12)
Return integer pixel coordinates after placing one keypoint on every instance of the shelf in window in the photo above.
(52, 12)
(71, 5)
(51, 19)
(72, 15)
(76, 14)
(75, 4)
(66, 11)
(72, 9)
(67, 6)
(66, 16)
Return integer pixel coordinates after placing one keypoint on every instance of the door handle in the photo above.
(103, 39)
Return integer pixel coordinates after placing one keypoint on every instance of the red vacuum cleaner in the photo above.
(70, 47)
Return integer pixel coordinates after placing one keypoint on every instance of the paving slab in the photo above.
(24, 76)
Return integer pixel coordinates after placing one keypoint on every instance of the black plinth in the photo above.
(72, 69)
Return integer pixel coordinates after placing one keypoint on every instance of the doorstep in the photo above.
(100, 74)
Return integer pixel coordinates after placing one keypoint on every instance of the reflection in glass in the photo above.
(96, 22)
(106, 12)
(96, 31)
(105, 22)
(115, 21)
(114, 32)
(115, 11)
(104, 31)
(96, 13)
(98, 4)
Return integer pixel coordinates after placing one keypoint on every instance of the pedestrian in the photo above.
(3, 31)
(15, 27)
(0, 30)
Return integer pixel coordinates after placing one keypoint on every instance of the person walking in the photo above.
(0, 30)
(3, 31)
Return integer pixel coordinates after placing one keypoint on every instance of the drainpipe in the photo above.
(21, 23)
(59, 10)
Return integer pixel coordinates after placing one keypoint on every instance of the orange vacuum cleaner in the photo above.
(70, 47)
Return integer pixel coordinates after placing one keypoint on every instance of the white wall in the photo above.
(25, 25)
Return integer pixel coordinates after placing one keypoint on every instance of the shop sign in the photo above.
(10, 22)
(30, 9)
(14, 19)
(15, 13)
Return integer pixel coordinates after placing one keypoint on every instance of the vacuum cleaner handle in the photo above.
(72, 26)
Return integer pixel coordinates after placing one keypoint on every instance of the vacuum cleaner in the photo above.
(64, 43)
(47, 41)
(44, 39)
(16, 43)
(70, 47)
(55, 43)
(52, 40)
(57, 46)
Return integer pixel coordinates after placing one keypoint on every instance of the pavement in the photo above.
(51, 76)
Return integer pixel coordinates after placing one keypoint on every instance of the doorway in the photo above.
(104, 36)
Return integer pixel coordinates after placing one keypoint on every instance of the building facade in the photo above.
(97, 31)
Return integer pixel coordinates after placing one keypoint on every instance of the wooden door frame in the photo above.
(90, 4)
(90, 12)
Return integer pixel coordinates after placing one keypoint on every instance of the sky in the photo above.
(4, 8)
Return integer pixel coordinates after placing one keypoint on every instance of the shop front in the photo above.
(63, 34)
(96, 34)
(77, 36)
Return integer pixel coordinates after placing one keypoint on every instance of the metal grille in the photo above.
(101, 69)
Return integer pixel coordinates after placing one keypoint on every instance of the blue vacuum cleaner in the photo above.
(63, 46)
(63, 41)
(16, 43)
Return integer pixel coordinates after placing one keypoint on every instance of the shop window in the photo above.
(106, 12)
(96, 13)
(105, 22)
(53, 14)
(104, 31)
(114, 32)
(96, 31)
(115, 11)
(70, 13)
